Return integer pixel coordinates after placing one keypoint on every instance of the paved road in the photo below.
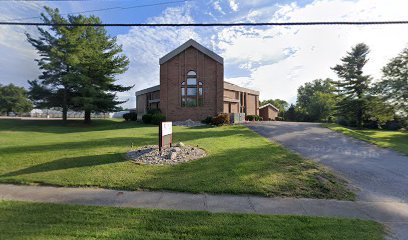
(394, 215)
(378, 174)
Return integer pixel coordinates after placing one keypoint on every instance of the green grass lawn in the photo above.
(19, 220)
(239, 161)
(396, 140)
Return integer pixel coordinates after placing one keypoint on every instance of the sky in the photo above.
(274, 60)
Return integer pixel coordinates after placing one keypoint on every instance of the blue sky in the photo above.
(274, 60)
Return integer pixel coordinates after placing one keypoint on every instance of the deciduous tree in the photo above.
(317, 100)
(393, 87)
(14, 99)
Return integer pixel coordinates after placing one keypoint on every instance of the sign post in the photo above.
(165, 134)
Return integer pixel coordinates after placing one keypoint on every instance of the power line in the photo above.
(109, 8)
(44, 0)
(209, 24)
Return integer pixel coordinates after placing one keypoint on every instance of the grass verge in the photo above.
(21, 220)
(239, 161)
(396, 140)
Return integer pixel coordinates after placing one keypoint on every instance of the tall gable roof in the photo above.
(196, 45)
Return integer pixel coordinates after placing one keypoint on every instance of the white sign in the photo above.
(167, 128)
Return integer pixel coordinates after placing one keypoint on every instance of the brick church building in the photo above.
(192, 86)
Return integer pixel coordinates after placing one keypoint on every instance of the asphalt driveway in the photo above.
(377, 174)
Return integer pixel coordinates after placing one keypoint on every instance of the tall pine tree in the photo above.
(100, 61)
(353, 85)
(79, 65)
(57, 49)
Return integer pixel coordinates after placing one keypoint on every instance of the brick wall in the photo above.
(173, 73)
(155, 95)
(140, 105)
(268, 113)
(252, 105)
(231, 94)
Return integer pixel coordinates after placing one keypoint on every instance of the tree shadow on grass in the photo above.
(81, 145)
(205, 132)
(71, 126)
(146, 139)
(69, 163)
(263, 170)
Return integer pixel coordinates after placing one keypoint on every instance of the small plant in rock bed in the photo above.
(253, 118)
(207, 120)
(220, 119)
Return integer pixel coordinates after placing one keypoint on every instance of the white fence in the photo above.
(41, 113)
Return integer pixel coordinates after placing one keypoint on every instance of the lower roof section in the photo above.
(147, 90)
(227, 86)
(233, 87)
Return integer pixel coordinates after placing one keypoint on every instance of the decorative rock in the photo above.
(176, 149)
(172, 155)
(188, 123)
(175, 155)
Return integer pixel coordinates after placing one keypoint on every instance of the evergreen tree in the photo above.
(14, 99)
(100, 61)
(79, 65)
(393, 87)
(57, 50)
(290, 114)
(353, 85)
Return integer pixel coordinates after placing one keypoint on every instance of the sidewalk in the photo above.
(392, 214)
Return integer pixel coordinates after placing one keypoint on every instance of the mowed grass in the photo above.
(19, 220)
(396, 140)
(239, 161)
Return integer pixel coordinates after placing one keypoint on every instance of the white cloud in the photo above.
(233, 5)
(280, 59)
(144, 47)
(17, 55)
(274, 60)
(217, 6)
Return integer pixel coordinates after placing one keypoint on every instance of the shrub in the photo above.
(330, 119)
(371, 124)
(132, 116)
(395, 124)
(153, 111)
(157, 118)
(253, 118)
(126, 116)
(147, 118)
(207, 120)
(220, 119)
(342, 121)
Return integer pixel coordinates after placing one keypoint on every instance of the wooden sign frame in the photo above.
(165, 134)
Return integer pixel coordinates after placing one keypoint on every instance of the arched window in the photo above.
(192, 91)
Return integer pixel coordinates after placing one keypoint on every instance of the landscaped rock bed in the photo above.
(151, 155)
(188, 123)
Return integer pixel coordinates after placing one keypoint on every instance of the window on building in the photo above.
(192, 93)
